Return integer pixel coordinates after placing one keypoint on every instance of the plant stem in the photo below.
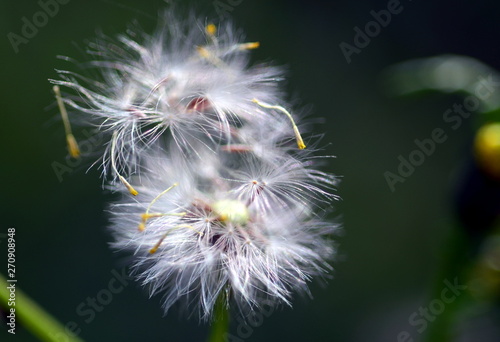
(220, 326)
(32, 316)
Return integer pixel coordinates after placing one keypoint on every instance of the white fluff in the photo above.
(227, 201)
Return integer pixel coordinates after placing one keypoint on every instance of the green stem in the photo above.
(220, 326)
(32, 316)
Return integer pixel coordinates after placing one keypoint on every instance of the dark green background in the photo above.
(390, 250)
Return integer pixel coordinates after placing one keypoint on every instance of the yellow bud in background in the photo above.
(487, 148)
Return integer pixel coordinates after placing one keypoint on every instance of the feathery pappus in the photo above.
(218, 196)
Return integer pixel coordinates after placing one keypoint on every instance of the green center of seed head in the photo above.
(231, 211)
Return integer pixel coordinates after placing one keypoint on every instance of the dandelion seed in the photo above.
(300, 142)
(73, 148)
(146, 216)
(129, 187)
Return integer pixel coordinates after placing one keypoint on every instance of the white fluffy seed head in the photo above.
(260, 240)
(182, 79)
(227, 201)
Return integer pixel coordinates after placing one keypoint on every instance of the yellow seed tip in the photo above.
(249, 46)
(132, 190)
(147, 216)
(142, 226)
(300, 141)
(203, 52)
(129, 187)
(73, 149)
(153, 250)
(211, 29)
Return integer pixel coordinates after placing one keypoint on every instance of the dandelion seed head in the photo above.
(153, 83)
(217, 195)
(261, 245)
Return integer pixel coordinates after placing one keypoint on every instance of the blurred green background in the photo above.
(392, 245)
